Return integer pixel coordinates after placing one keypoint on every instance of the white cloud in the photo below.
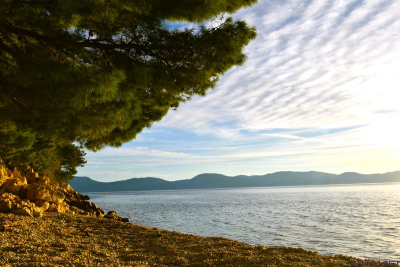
(311, 65)
(138, 151)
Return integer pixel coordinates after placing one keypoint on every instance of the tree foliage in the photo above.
(95, 73)
(50, 157)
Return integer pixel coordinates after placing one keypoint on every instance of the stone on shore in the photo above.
(114, 216)
(43, 204)
(8, 202)
(22, 211)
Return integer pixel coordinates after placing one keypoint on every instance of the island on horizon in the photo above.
(213, 180)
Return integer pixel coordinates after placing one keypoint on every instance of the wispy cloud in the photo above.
(139, 151)
(316, 64)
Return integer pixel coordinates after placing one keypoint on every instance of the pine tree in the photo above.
(97, 73)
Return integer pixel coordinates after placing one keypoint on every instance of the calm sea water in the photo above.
(355, 220)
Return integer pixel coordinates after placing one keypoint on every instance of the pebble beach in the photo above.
(57, 239)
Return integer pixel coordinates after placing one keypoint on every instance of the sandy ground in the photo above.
(76, 240)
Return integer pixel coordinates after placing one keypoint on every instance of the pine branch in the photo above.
(94, 43)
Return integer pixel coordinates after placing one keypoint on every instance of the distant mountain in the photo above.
(213, 180)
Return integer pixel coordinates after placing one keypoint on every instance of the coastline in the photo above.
(58, 239)
(239, 188)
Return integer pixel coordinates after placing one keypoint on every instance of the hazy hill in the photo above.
(213, 180)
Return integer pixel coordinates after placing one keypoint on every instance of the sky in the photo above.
(320, 91)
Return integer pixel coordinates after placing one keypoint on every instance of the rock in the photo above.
(13, 186)
(58, 207)
(87, 207)
(112, 215)
(76, 210)
(31, 176)
(40, 194)
(8, 202)
(72, 195)
(63, 207)
(17, 175)
(53, 208)
(42, 204)
(26, 203)
(3, 175)
(43, 180)
(37, 212)
(45, 192)
(22, 211)
(8, 173)
(5, 205)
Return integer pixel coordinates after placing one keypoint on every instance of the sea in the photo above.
(360, 220)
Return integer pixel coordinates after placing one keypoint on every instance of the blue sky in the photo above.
(319, 91)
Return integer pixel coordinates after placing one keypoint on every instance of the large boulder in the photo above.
(13, 186)
(8, 202)
(47, 192)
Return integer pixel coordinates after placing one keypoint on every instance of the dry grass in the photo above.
(75, 240)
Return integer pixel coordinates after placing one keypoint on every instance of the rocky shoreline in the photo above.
(25, 192)
(43, 223)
